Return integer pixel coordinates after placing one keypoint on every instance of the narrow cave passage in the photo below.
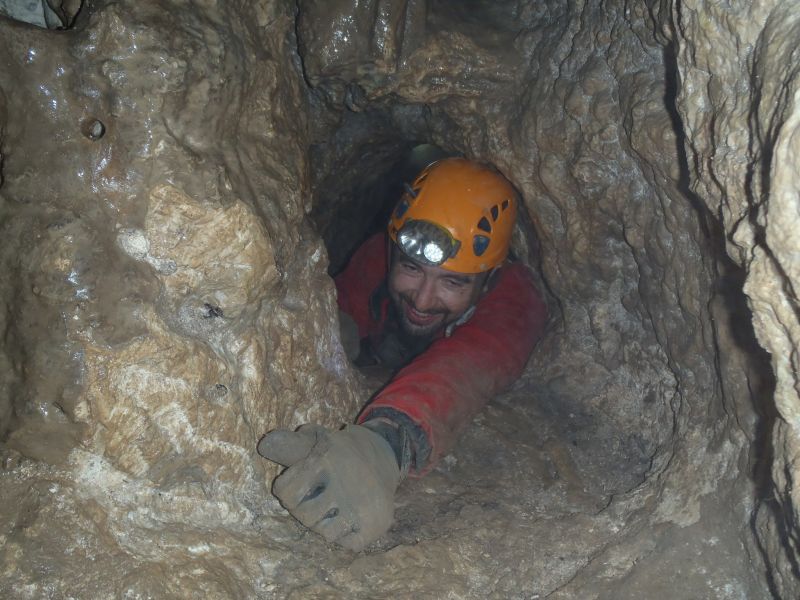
(556, 462)
(527, 444)
(552, 457)
(606, 413)
(358, 178)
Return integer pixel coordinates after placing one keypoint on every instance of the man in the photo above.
(458, 318)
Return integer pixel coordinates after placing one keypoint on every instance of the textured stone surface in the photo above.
(740, 100)
(165, 297)
(164, 303)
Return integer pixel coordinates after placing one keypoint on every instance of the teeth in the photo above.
(419, 315)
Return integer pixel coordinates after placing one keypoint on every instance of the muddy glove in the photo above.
(340, 484)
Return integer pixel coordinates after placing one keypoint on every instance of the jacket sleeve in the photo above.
(443, 388)
(355, 284)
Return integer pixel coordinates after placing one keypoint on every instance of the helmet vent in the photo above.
(495, 212)
(505, 204)
(479, 244)
(484, 225)
(411, 191)
(401, 209)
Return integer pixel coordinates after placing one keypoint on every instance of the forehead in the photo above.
(439, 272)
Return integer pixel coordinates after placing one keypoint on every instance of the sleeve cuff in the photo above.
(409, 442)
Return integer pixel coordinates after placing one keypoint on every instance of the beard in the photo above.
(415, 323)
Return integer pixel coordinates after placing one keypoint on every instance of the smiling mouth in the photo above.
(420, 319)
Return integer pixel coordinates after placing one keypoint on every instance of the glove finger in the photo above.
(287, 447)
(365, 529)
(334, 525)
(316, 512)
(356, 540)
(303, 481)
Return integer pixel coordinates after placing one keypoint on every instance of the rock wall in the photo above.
(740, 102)
(166, 300)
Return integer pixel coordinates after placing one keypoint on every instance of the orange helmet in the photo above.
(458, 215)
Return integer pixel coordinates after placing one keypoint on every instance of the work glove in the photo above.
(340, 484)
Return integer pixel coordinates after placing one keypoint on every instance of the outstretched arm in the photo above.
(438, 393)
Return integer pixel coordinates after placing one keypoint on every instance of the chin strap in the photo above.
(461, 320)
(487, 285)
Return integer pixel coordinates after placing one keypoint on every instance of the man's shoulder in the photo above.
(365, 269)
(515, 289)
(376, 240)
(516, 274)
(373, 250)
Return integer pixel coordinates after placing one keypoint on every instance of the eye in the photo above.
(409, 266)
(455, 284)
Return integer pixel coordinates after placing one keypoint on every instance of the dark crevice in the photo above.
(298, 55)
(711, 229)
(355, 192)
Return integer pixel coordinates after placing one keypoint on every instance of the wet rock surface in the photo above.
(166, 299)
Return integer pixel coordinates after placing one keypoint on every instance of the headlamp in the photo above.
(427, 242)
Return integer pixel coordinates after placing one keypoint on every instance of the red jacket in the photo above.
(445, 386)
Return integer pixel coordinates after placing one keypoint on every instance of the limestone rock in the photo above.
(740, 105)
(164, 304)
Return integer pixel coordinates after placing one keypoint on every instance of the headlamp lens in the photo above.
(427, 242)
(433, 253)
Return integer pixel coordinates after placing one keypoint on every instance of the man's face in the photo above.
(429, 298)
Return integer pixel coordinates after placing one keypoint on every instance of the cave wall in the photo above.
(739, 101)
(165, 298)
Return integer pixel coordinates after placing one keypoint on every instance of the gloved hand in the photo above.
(340, 484)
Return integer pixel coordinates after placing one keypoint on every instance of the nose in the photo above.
(425, 298)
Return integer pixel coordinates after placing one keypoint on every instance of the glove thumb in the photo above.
(288, 447)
